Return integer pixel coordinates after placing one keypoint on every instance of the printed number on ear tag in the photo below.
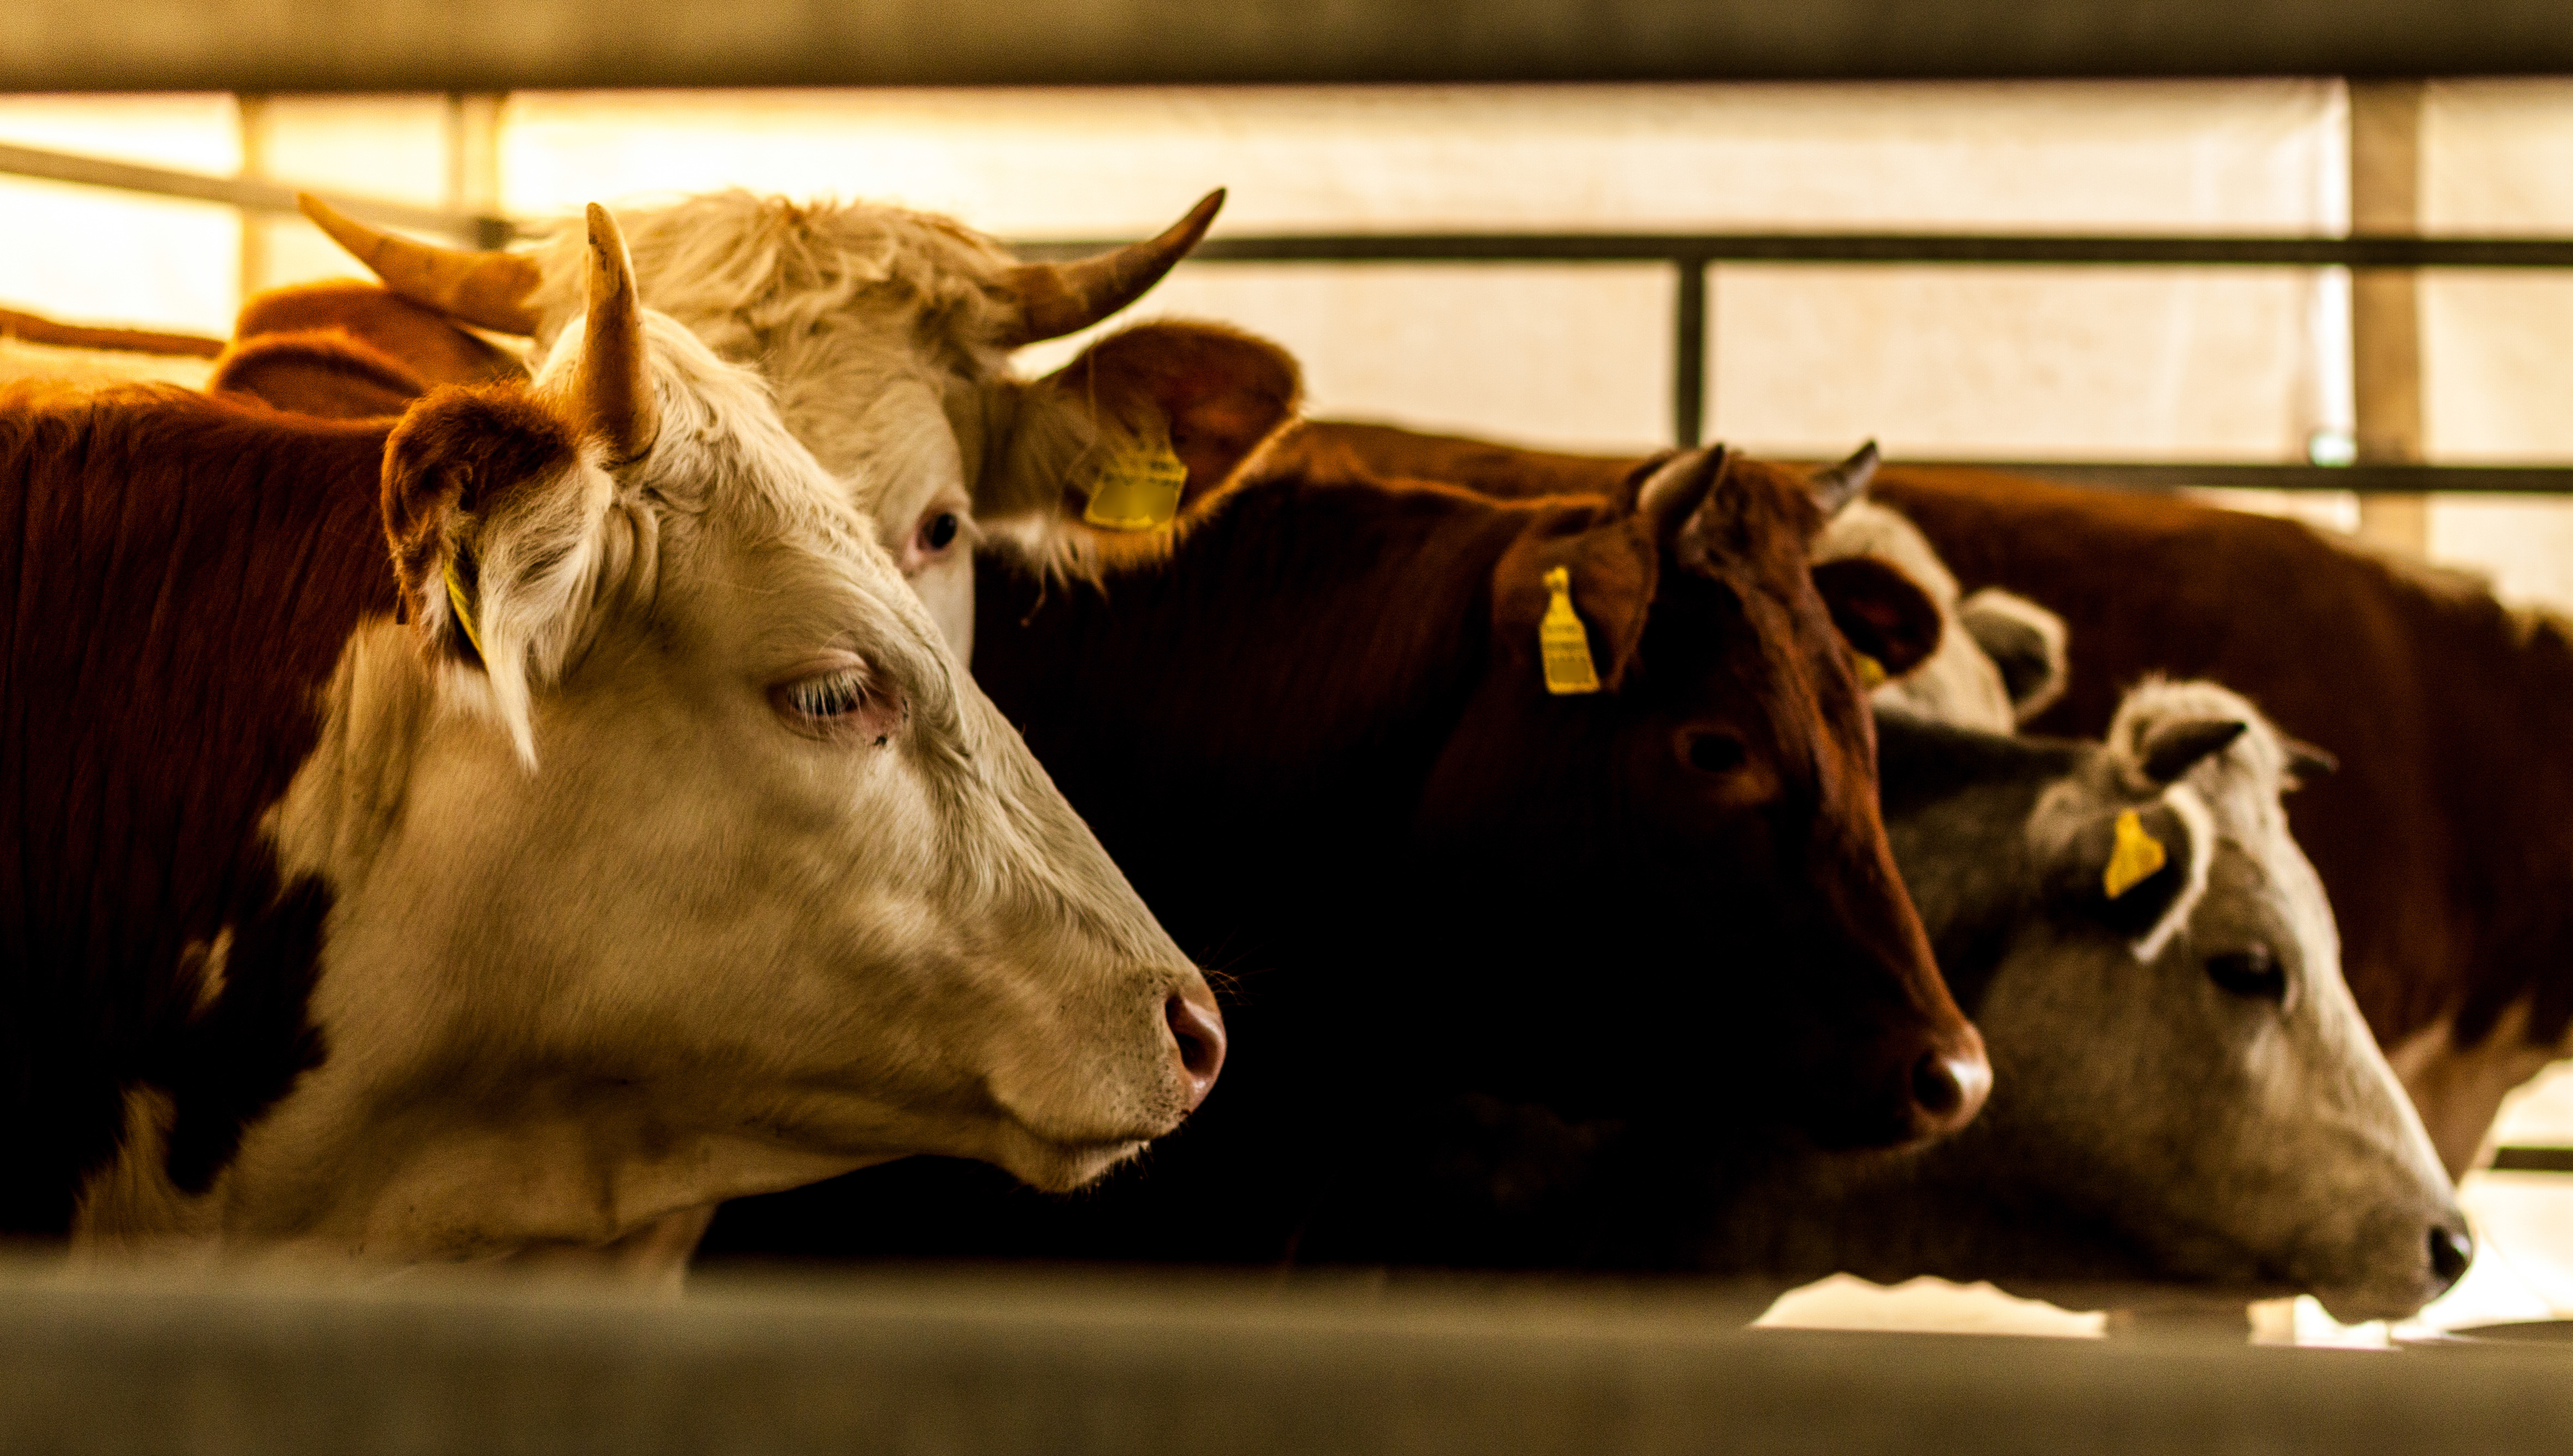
(2136, 859)
(1138, 489)
(1561, 642)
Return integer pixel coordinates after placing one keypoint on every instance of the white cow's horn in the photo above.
(614, 387)
(487, 289)
(1056, 298)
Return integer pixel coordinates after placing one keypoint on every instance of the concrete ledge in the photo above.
(1022, 1363)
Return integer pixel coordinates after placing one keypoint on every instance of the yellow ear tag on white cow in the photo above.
(1138, 489)
(458, 601)
(1561, 641)
(2136, 859)
(1871, 673)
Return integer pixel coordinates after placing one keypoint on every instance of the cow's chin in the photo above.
(1061, 1168)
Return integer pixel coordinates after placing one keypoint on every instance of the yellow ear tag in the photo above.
(464, 609)
(1138, 489)
(2138, 856)
(1871, 673)
(1562, 644)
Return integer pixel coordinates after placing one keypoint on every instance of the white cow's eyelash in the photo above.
(829, 695)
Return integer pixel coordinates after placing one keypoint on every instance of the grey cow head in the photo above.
(2180, 1070)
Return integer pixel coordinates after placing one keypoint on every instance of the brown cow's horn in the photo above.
(487, 289)
(1835, 487)
(614, 387)
(1678, 488)
(1056, 298)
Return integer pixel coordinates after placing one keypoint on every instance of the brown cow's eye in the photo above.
(1715, 753)
(2255, 972)
(939, 532)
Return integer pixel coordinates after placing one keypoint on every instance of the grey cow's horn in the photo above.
(2173, 749)
(1056, 298)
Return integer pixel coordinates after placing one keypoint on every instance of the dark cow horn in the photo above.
(614, 387)
(1671, 495)
(2308, 761)
(1056, 298)
(2174, 748)
(1835, 486)
(487, 289)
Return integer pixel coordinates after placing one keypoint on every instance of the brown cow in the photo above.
(1318, 735)
(2445, 840)
(350, 350)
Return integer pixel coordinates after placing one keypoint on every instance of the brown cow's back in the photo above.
(180, 575)
(2446, 837)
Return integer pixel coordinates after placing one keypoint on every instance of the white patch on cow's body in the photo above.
(695, 953)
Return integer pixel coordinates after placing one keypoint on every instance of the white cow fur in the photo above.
(1958, 684)
(876, 327)
(613, 941)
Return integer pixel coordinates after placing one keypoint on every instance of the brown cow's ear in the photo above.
(1143, 427)
(1880, 612)
(1611, 573)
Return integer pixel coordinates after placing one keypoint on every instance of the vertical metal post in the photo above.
(251, 117)
(1688, 354)
(2385, 305)
(473, 158)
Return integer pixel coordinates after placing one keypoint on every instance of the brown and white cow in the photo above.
(633, 842)
(886, 334)
(1318, 734)
(2444, 840)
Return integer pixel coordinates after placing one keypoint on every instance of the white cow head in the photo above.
(2000, 657)
(671, 855)
(886, 335)
(2176, 1059)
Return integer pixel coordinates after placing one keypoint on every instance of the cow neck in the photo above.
(1261, 708)
(181, 573)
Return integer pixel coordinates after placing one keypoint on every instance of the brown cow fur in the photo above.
(321, 372)
(426, 344)
(1316, 737)
(181, 575)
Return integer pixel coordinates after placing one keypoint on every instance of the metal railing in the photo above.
(1689, 256)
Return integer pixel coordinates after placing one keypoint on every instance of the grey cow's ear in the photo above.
(2135, 872)
(2025, 641)
(2173, 748)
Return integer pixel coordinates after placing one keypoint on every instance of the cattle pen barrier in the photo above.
(1691, 257)
(968, 1362)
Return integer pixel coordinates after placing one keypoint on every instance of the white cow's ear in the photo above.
(496, 528)
(2025, 641)
(1142, 429)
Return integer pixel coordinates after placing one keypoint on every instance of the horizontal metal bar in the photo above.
(2533, 1159)
(1703, 249)
(2366, 480)
(498, 45)
(1244, 1364)
(247, 193)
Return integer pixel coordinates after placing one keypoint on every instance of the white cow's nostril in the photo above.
(1198, 1032)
